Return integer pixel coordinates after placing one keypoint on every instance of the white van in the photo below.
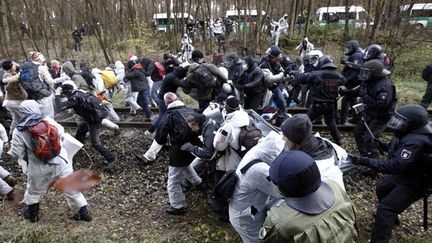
(356, 16)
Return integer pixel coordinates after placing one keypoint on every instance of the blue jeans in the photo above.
(162, 110)
(278, 98)
(143, 101)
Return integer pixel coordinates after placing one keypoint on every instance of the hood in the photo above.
(118, 65)
(316, 147)
(176, 103)
(267, 149)
(31, 114)
(238, 118)
(96, 71)
(69, 69)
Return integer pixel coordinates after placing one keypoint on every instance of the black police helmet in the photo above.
(326, 61)
(351, 47)
(373, 52)
(372, 69)
(233, 57)
(410, 118)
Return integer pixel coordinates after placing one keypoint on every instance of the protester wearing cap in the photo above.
(47, 107)
(274, 76)
(407, 168)
(14, 92)
(175, 127)
(247, 206)
(297, 133)
(312, 210)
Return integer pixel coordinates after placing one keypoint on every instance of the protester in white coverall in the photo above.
(283, 27)
(40, 174)
(112, 117)
(7, 181)
(247, 207)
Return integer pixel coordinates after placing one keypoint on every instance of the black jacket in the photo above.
(150, 69)
(254, 81)
(209, 129)
(352, 69)
(235, 73)
(170, 83)
(75, 102)
(406, 159)
(379, 96)
(137, 79)
(324, 84)
(175, 127)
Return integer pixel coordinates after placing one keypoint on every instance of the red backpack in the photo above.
(160, 68)
(46, 140)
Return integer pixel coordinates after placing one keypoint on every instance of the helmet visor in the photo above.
(398, 123)
(365, 74)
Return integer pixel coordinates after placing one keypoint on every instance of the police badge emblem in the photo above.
(406, 154)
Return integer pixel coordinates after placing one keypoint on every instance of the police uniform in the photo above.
(379, 95)
(351, 72)
(406, 167)
(324, 88)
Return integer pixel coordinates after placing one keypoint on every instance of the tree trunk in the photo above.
(309, 15)
(4, 23)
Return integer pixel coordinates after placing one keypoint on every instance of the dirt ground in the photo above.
(129, 205)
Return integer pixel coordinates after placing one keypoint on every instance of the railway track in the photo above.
(146, 125)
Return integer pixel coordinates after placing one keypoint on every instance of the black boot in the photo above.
(32, 213)
(175, 211)
(83, 214)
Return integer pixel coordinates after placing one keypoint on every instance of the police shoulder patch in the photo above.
(383, 95)
(406, 154)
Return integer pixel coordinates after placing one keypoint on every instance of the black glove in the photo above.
(239, 86)
(383, 145)
(187, 147)
(343, 60)
(358, 160)
(342, 91)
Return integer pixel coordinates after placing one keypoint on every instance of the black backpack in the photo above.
(29, 77)
(96, 110)
(204, 77)
(248, 138)
(427, 73)
(224, 189)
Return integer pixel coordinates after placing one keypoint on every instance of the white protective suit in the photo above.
(227, 140)
(254, 189)
(41, 174)
(330, 168)
(4, 187)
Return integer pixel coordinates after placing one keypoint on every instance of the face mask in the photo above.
(398, 123)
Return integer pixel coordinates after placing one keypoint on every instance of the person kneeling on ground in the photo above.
(42, 173)
(177, 129)
(312, 210)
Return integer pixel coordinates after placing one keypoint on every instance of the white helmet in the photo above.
(226, 88)
(312, 57)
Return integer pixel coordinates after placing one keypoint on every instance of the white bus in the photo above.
(356, 16)
(161, 20)
(420, 15)
(244, 17)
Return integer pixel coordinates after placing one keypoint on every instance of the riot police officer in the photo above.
(352, 63)
(374, 52)
(324, 88)
(408, 173)
(378, 93)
